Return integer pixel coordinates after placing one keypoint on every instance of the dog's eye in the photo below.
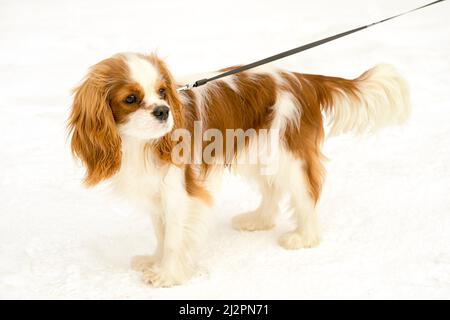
(131, 99)
(162, 92)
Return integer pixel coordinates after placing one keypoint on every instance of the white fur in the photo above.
(286, 110)
(140, 175)
(231, 82)
(144, 73)
(142, 124)
(382, 100)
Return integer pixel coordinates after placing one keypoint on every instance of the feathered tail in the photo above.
(376, 99)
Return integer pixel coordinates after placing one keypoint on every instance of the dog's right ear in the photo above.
(95, 139)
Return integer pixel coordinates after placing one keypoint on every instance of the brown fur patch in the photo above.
(313, 94)
(119, 108)
(250, 107)
(194, 186)
(95, 139)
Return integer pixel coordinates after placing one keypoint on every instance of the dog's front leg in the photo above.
(144, 262)
(184, 219)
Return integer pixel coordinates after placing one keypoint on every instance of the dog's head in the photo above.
(126, 95)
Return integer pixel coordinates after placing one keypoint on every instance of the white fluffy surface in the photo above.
(385, 208)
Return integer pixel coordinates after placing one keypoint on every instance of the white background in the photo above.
(385, 208)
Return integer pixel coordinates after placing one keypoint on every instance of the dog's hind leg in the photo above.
(263, 218)
(299, 183)
(306, 234)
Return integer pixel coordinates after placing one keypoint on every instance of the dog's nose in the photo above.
(161, 113)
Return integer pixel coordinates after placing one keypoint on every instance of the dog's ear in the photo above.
(95, 140)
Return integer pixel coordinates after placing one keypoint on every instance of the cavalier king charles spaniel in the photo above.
(130, 125)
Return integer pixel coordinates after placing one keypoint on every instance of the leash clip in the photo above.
(187, 87)
(196, 84)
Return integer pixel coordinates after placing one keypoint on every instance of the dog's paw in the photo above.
(251, 221)
(142, 263)
(159, 278)
(295, 240)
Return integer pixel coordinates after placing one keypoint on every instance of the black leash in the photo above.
(308, 46)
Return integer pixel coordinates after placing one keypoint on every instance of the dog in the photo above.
(128, 119)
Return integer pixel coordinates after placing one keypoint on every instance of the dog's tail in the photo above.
(376, 99)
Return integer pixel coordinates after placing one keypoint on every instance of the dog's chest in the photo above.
(139, 177)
